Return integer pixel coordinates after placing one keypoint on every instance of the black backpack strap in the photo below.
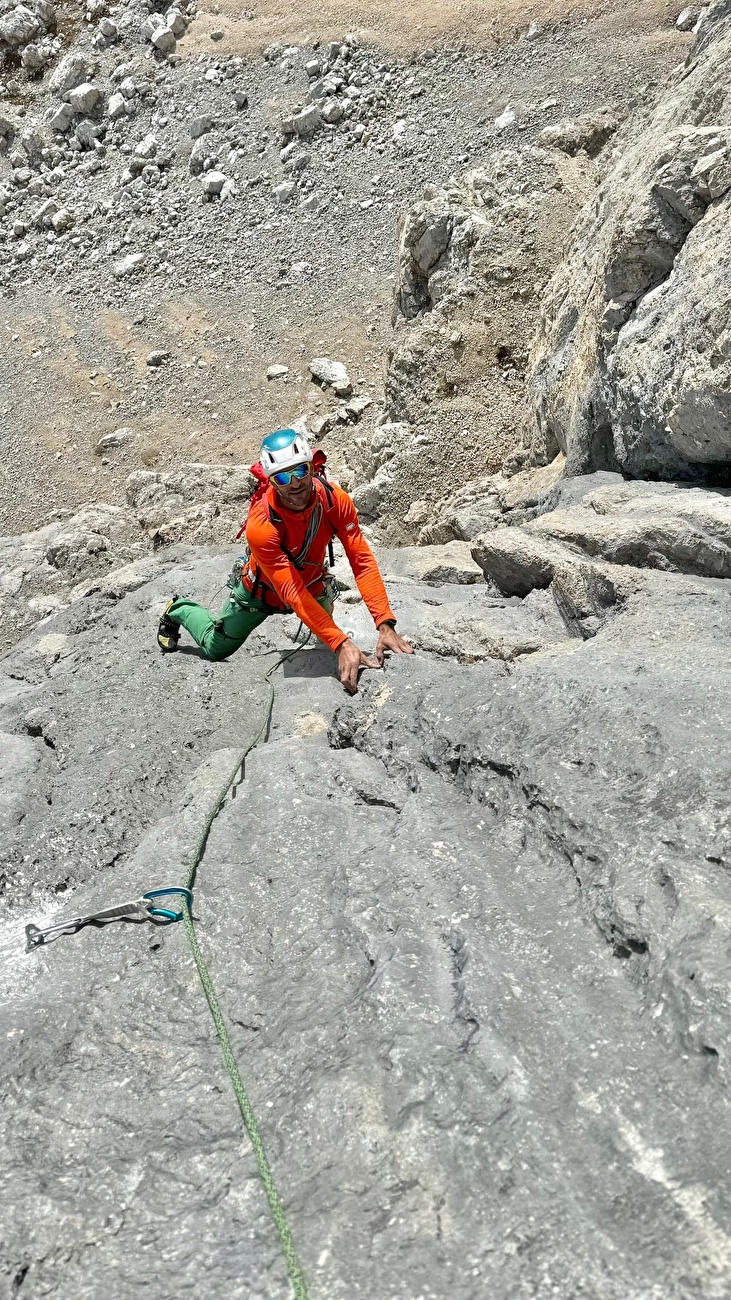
(278, 523)
(328, 490)
(299, 560)
(330, 498)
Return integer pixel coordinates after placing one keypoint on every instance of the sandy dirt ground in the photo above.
(402, 29)
(73, 369)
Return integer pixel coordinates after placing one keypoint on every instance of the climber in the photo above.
(293, 516)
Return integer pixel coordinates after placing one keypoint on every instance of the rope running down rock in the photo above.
(275, 1204)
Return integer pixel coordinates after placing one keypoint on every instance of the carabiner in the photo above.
(166, 911)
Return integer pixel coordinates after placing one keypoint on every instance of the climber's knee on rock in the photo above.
(217, 645)
(216, 652)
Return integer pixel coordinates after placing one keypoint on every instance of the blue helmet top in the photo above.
(279, 440)
(284, 450)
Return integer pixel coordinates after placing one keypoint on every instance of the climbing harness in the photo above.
(145, 908)
(141, 909)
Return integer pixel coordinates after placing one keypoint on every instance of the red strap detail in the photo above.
(257, 494)
(262, 480)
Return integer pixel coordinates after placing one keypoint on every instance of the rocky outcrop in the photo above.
(583, 538)
(474, 257)
(198, 503)
(592, 537)
(436, 240)
(647, 525)
(39, 570)
(633, 361)
(103, 547)
(669, 526)
(588, 132)
(27, 32)
(469, 932)
(488, 503)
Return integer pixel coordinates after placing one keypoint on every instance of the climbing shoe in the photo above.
(168, 633)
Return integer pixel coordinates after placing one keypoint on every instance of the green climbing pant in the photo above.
(220, 637)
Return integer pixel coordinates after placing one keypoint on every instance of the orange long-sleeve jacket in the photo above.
(276, 537)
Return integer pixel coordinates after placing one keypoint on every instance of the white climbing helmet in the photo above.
(283, 450)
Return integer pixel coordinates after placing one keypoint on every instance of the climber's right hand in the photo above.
(350, 662)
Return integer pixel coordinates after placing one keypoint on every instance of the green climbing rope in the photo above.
(275, 1204)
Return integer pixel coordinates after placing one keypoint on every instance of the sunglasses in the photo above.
(285, 476)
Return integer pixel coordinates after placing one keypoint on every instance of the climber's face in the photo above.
(296, 494)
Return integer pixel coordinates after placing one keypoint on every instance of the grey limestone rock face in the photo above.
(589, 541)
(646, 525)
(442, 601)
(19, 761)
(468, 931)
(630, 370)
(436, 236)
(558, 704)
(671, 366)
(452, 563)
(520, 564)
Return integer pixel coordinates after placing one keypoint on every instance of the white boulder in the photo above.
(200, 126)
(164, 40)
(62, 221)
(19, 26)
(128, 265)
(213, 182)
(331, 111)
(84, 98)
(34, 57)
(70, 72)
(304, 123)
(506, 119)
(176, 22)
(331, 374)
(687, 19)
(116, 106)
(118, 438)
(61, 117)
